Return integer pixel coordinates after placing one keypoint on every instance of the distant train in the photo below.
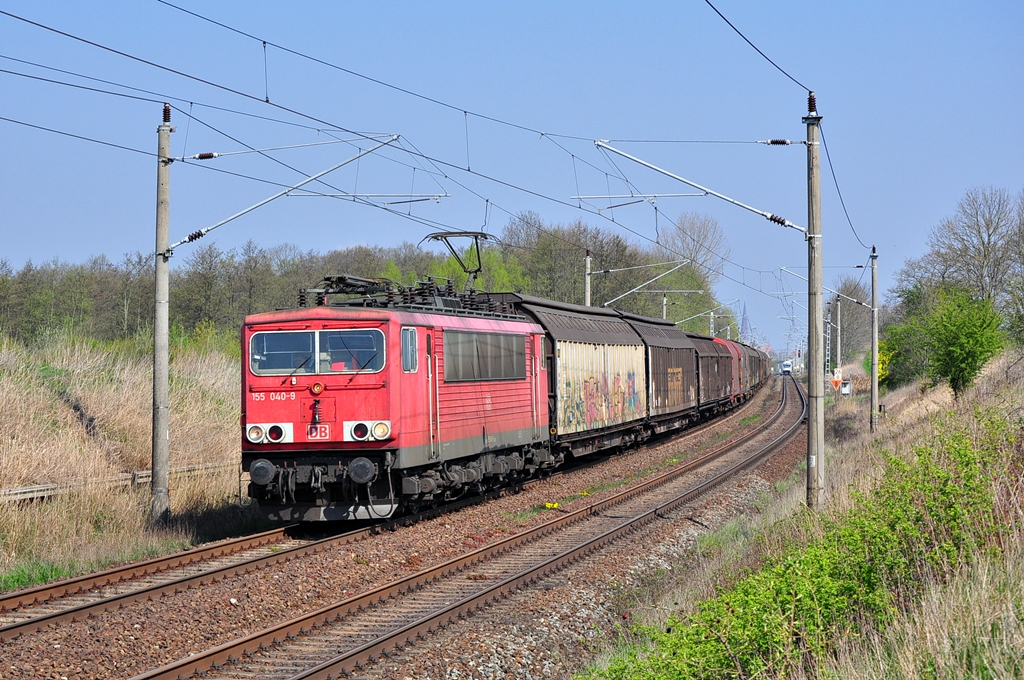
(787, 367)
(396, 399)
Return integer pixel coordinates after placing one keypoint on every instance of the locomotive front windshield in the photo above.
(335, 351)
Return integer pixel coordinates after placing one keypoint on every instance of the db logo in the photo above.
(321, 431)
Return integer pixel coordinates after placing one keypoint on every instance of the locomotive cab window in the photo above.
(352, 351)
(282, 353)
(409, 357)
(335, 351)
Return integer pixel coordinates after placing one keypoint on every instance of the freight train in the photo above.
(371, 400)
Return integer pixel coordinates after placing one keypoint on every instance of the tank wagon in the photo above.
(394, 399)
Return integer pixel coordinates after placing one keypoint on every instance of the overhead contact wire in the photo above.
(171, 70)
(740, 34)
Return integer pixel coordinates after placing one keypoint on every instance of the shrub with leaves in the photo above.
(963, 334)
(929, 516)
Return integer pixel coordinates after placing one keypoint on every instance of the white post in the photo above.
(839, 333)
(586, 280)
(874, 339)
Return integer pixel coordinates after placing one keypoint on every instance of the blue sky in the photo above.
(920, 101)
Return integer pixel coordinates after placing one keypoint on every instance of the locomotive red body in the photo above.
(401, 398)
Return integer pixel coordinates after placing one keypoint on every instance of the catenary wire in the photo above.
(81, 137)
(162, 97)
(823, 142)
(171, 70)
(294, 112)
(740, 34)
(836, 181)
(366, 77)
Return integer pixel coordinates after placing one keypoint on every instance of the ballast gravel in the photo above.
(549, 633)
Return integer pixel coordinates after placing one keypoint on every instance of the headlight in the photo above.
(381, 430)
(255, 434)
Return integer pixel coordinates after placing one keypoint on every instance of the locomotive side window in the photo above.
(282, 353)
(293, 352)
(409, 357)
(484, 356)
(351, 351)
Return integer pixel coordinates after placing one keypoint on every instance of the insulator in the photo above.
(167, 114)
(391, 297)
(195, 236)
(778, 142)
(205, 156)
(321, 299)
(303, 299)
(812, 104)
(777, 220)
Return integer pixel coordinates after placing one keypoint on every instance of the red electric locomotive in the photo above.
(354, 412)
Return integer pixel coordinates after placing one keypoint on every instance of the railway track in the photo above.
(341, 638)
(77, 598)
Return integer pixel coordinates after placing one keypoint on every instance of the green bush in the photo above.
(928, 517)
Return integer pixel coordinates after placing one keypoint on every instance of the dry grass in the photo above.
(971, 627)
(75, 412)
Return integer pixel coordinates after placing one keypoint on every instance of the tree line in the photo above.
(958, 304)
(214, 289)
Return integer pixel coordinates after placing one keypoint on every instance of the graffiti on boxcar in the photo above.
(675, 386)
(596, 402)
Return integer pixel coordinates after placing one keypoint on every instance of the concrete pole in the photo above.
(586, 280)
(160, 504)
(711, 326)
(815, 316)
(664, 306)
(874, 339)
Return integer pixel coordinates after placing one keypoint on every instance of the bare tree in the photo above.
(975, 246)
(700, 239)
(1014, 308)
(854, 319)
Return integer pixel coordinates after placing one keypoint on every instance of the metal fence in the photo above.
(125, 480)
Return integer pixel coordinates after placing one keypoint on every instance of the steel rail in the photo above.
(49, 591)
(237, 649)
(355, 659)
(13, 630)
(45, 593)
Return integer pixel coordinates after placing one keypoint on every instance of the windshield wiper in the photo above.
(302, 365)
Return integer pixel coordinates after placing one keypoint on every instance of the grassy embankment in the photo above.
(75, 412)
(913, 571)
